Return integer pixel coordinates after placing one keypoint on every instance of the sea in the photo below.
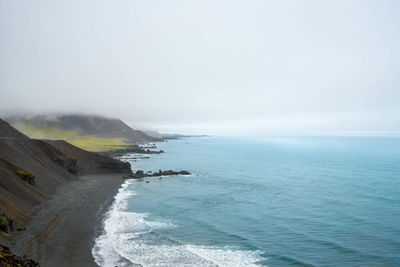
(259, 201)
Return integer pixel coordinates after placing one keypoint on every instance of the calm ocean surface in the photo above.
(276, 201)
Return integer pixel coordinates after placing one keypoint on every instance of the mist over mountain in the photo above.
(204, 66)
(77, 125)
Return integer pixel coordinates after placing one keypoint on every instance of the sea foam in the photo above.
(128, 240)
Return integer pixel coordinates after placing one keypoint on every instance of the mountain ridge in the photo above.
(83, 124)
(89, 132)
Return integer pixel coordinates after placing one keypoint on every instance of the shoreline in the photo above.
(64, 229)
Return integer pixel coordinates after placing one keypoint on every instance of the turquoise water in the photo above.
(276, 201)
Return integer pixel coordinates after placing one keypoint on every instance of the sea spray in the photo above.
(104, 251)
(128, 240)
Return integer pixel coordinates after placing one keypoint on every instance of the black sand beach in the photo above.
(63, 231)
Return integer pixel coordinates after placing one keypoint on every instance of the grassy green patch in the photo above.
(97, 144)
(89, 143)
(33, 131)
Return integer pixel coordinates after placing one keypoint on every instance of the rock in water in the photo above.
(141, 174)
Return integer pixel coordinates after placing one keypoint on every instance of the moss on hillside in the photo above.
(97, 144)
(89, 143)
(33, 131)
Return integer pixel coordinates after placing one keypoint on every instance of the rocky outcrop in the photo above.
(115, 166)
(7, 258)
(141, 174)
(6, 223)
(13, 169)
(68, 163)
(26, 176)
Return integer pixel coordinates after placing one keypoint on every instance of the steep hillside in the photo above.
(31, 170)
(93, 133)
(7, 131)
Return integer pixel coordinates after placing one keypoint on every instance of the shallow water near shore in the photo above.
(273, 201)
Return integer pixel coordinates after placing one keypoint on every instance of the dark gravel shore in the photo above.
(63, 232)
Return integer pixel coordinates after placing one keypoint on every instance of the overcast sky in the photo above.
(206, 66)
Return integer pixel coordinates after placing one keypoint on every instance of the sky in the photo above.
(209, 66)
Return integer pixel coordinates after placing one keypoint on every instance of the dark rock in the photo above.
(115, 166)
(68, 163)
(26, 176)
(169, 172)
(122, 152)
(6, 223)
(140, 174)
(147, 182)
(132, 158)
(7, 258)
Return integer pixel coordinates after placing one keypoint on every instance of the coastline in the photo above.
(64, 228)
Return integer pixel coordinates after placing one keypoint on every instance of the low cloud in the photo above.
(223, 67)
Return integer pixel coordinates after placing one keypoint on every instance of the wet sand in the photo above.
(63, 231)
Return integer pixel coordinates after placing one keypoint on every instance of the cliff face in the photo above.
(31, 170)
